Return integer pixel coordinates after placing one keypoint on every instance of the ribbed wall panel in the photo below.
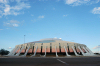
(23, 51)
(18, 50)
(71, 50)
(78, 50)
(30, 50)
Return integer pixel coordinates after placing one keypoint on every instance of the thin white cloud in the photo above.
(20, 6)
(53, 8)
(38, 18)
(57, 0)
(43, 0)
(80, 2)
(55, 37)
(8, 9)
(12, 23)
(41, 16)
(64, 15)
(34, 20)
(7, 28)
(96, 10)
(96, 47)
(96, 51)
(71, 1)
(60, 38)
(9, 48)
(0, 16)
(32, 15)
(12, 0)
(1, 29)
(4, 1)
(15, 25)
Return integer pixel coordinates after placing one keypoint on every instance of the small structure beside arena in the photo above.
(51, 46)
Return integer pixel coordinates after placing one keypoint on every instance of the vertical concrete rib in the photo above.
(19, 51)
(35, 52)
(66, 51)
(47, 46)
(86, 50)
(89, 50)
(75, 51)
(26, 52)
(81, 51)
(15, 51)
(68, 47)
(56, 51)
(45, 51)
(11, 52)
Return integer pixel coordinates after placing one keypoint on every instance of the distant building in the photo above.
(51, 46)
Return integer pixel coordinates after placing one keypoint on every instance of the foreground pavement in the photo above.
(49, 61)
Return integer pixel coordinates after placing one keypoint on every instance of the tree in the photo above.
(4, 52)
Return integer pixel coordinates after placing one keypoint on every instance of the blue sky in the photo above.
(72, 20)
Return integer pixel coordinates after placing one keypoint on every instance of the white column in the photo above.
(56, 51)
(89, 50)
(19, 51)
(86, 50)
(89, 54)
(15, 51)
(45, 51)
(11, 52)
(81, 51)
(26, 52)
(35, 52)
(75, 51)
(66, 51)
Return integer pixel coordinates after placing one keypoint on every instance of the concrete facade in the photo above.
(51, 46)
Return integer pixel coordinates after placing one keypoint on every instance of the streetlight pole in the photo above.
(99, 49)
(24, 39)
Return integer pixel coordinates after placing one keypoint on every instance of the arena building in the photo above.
(51, 46)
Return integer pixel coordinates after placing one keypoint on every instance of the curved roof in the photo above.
(51, 39)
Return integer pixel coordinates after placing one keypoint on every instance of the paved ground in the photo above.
(48, 61)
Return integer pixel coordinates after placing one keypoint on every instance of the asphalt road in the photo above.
(74, 61)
